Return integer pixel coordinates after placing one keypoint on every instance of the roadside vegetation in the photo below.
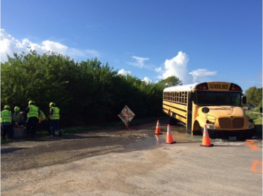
(254, 99)
(87, 92)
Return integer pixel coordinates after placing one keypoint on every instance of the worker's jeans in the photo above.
(44, 124)
(31, 126)
(54, 124)
(7, 129)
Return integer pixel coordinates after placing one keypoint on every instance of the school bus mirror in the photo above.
(244, 99)
(205, 110)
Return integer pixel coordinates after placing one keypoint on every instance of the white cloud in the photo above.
(158, 69)
(199, 75)
(139, 61)
(177, 66)
(124, 73)
(147, 80)
(10, 45)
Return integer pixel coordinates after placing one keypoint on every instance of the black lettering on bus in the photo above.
(224, 86)
(215, 86)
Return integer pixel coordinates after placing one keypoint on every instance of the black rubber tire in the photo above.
(172, 121)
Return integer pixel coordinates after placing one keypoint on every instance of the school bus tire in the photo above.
(172, 121)
(197, 130)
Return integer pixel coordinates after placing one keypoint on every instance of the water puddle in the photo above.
(71, 147)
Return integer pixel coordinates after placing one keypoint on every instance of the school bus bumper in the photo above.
(224, 134)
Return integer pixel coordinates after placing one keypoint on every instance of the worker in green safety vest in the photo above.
(33, 113)
(43, 121)
(54, 117)
(6, 123)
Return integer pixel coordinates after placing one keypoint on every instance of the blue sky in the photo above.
(194, 40)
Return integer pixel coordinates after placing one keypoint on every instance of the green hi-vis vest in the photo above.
(42, 115)
(6, 116)
(33, 111)
(55, 115)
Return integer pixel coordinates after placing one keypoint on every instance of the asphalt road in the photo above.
(134, 162)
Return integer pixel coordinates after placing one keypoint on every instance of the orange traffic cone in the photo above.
(158, 130)
(169, 137)
(206, 140)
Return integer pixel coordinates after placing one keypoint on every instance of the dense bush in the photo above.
(86, 91)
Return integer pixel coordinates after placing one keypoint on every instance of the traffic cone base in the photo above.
(169, 137)
(158, 130)
(170, 142)
(206, 145)
(206, 140)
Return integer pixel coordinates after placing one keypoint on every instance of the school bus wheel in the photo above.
(172, 121)
(197, 129)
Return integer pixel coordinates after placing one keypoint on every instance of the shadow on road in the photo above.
(10, 150)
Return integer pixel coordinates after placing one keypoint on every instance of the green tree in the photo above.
(254, 95)
(170, 81)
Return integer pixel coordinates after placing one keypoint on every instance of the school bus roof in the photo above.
(187, 87)
(213, 85)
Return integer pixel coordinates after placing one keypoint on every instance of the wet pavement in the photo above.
(134, 162)
(25, 154)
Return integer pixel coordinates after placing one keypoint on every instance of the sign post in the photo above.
(126, 116)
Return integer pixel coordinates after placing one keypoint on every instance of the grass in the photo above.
(257, 118)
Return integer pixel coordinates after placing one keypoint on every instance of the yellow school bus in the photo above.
(225, 119)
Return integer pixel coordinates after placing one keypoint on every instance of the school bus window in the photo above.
(184, 97)
(218, 98)
(180, 97)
